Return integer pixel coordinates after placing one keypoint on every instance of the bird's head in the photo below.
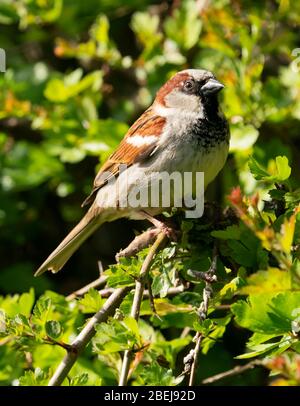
(190, 90)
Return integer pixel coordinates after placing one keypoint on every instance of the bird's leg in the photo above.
(169, 231)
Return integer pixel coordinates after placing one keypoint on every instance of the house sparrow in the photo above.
(183, 130)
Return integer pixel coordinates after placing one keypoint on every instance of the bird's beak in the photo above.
(212, 86)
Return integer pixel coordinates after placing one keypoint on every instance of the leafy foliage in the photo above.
(78, 74)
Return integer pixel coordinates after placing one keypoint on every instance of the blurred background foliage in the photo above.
(79, 73)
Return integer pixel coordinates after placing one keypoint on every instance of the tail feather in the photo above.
(90, 222)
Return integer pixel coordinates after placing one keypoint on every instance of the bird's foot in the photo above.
(169, 231)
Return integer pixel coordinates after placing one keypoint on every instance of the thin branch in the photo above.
(239, 369)
(50, 341)
(185, 332)
(140, 242)
(86, 335)
(204, 276)
(192, 359)
(151, 297)
(196, 352)
(138, 296)
(95, 284)
(173, 291)
(223, 307)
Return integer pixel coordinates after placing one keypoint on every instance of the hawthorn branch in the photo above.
(191, 360)
(172, 291)
(239, 369)
(95, 284)
(138, 296)
(51, 341)
(86, 335)
(140, 242)
(195, 358)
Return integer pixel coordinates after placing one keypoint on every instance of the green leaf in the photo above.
(100, 30)
(283, 168)
(192, 298)
(38, 377)
(26, 302)
(268, 313)
(185, 25)
(91, 302)
(53, 329)
(132, 325)
(42, 307)
(279, 170)
(292, 199)
(251, 314)
(232, 287)
(18, 304)
(269, 316)
(259, 338)
(170, 315)
(242, 245)
(105, 48)
(80, 380)
(21, 319)
(170, 349)
(61, 90)
(146, 28)
(230, 233)
(257, 170)
(155, 375)
(116, 336)
(215, 332)
(163, 280)
(295, 274)
(105, 135)
(29, 165)
(272, 280)
(204, 326)
(123, 274)
(8, 13)
(262, 349)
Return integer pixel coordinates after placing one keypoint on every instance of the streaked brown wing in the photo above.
(148, 125)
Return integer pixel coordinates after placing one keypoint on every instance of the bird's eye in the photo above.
(189, 85)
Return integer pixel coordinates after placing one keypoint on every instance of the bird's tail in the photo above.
(90, 222)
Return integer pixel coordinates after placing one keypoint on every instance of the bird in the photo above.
(184, 130)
